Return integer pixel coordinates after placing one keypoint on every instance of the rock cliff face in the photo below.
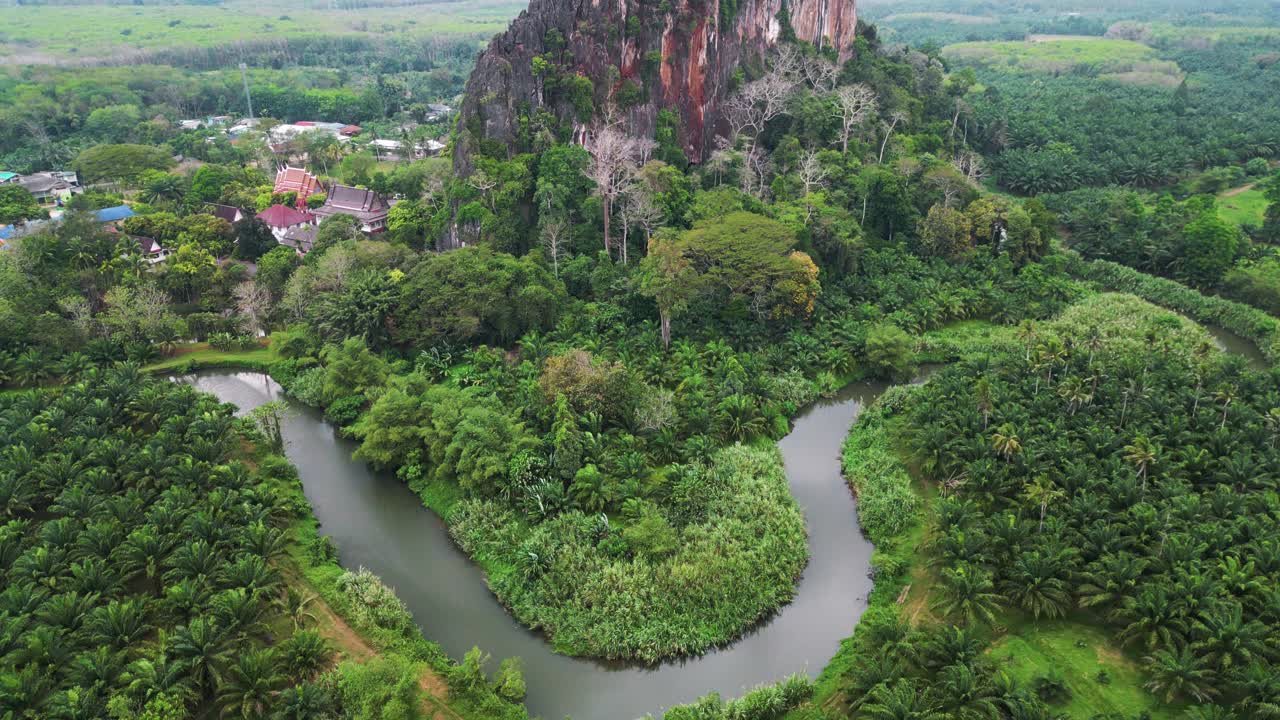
(658, 54)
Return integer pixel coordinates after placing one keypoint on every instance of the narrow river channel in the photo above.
(378, 523)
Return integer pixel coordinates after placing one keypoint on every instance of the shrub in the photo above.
(1051, 688)
(889, 351)
(1247, 322)
(886, 502)
(384, 688)
(373, 602)
(509, 681)
(308, 387)
(345, 410)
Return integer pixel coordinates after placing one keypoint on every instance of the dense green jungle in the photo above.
(1044, 233)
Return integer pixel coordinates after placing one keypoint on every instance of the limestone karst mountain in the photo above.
(571, 58)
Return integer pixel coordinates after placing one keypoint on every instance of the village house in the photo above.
(152, 252)
(113, 215)
(242, 127)
(227, 212)
(301, 238)
(282, 218)
(285, 132)
(438, 112)
(367, 206)
(51, 188)
(394, 149)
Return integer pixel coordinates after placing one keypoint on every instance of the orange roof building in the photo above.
(292, 179)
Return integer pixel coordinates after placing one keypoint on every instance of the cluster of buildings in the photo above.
(280, 136)
(51, 188)
(296, 225)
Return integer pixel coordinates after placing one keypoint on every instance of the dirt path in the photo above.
(1236, 191)
(351, 645)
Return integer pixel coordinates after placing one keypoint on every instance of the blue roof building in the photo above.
(112, 214)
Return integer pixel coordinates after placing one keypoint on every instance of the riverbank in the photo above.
(383, 650)
(378, 523)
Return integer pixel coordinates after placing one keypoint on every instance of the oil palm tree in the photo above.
(1006, 442)
(739, 418)
(148, 677)
(118, 624)
(967, 694)
(967, 594)
(1110, 579)
(1226, 640)
(303, 654)
(162, 187)
(1152, 619)
(204, 649)
(251, 686)
(902, 700)
(1036, 582)
(307, 701)
(1142, 454)
(31, 368)
(1179, 674)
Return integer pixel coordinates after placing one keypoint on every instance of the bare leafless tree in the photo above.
(758, 102)
(947, 180)
(555, 241)
(969, 164)
(820, 73)
(812, 173)
(789, 62)
(962, 107)
(483, 185)
(755, 168)
(894, 118)
(853, 104)
(640, 210)
(613, 165)
(644, 149)
(254, 301)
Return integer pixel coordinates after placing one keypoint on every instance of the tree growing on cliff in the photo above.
(853, 104)
(614, 163)
(667, 276)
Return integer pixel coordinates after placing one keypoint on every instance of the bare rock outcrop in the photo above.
(569, 57)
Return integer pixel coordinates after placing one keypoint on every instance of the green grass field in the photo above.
(204, 356)
(956, 18)
(1242, 208)
(1077, 653)
(1121, 60)
(46, 34)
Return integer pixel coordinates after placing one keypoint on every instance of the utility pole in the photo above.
(244, 78)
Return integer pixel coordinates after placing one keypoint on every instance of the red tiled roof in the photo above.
(351, 130)
(283, 216)
(305, 123)
(292, 179)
